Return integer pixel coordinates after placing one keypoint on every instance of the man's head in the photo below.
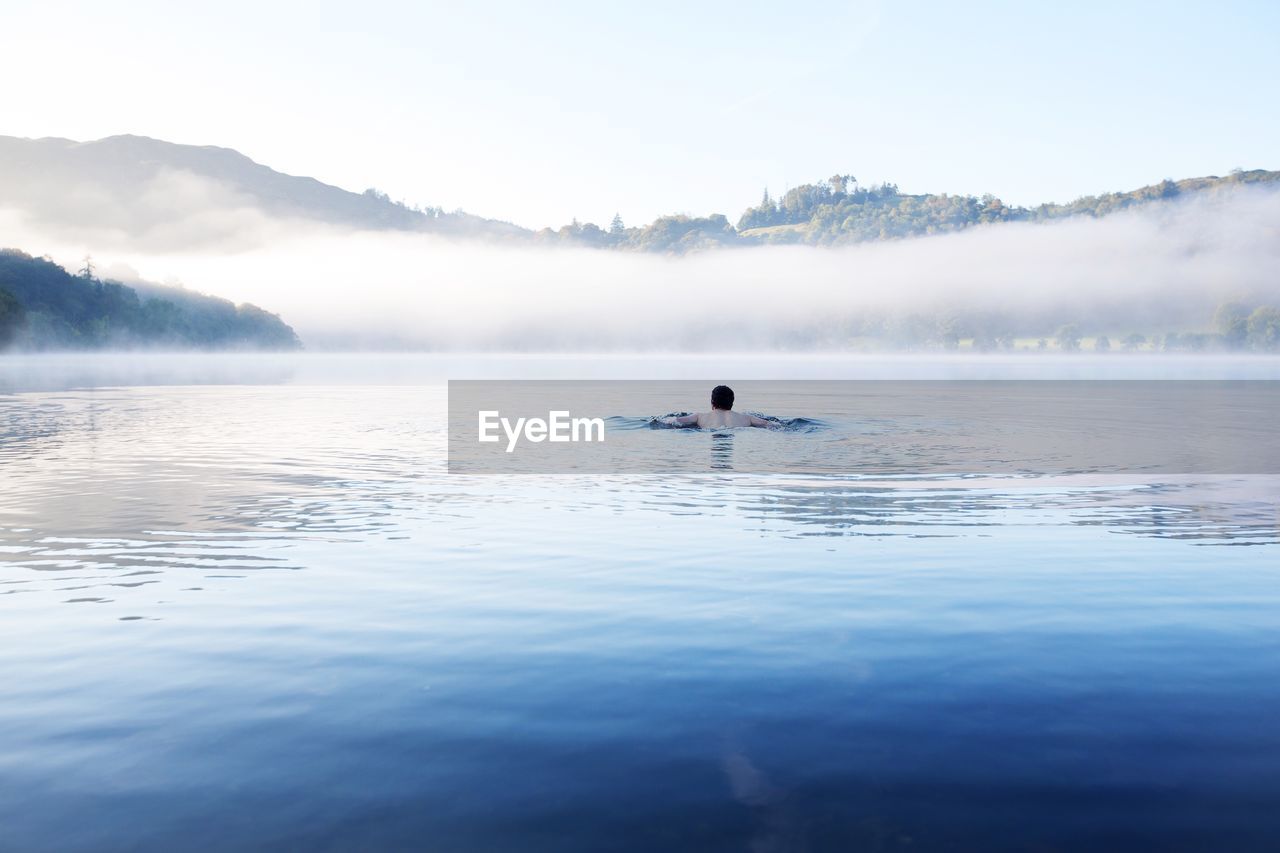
(722, 397)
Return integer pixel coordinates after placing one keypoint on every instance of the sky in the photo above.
(539, 113)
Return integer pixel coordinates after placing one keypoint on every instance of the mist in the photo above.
(1158, 267)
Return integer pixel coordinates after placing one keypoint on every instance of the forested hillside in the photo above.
(839, 212)
(42, 306)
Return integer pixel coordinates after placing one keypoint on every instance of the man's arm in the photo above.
(763, 424)
(682, 420)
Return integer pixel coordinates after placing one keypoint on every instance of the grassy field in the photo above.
(775, 229)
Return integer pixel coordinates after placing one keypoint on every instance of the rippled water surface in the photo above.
(244, 605)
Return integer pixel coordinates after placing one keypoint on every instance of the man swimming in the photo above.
(721, 415)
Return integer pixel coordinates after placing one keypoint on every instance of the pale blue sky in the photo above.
(542, 112)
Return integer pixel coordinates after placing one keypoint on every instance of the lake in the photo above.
(244, 604)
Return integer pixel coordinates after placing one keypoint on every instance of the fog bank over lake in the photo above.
(1158, 268)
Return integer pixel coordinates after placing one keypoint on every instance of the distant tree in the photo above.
(1264, 329)
(1068, 338)
(86, 272)
(12, 317)
(1133, 341)
(256, 327)
(593, 234)
(949, 329)
(1042, 345)
(993, 209)
(680, 234)
(800, 203)
(1231, 321)
(910, 330)
(1102, 344)
(616, 227)
(761, 216)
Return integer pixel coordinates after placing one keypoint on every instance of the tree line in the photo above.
(42, 306)
(839, 211)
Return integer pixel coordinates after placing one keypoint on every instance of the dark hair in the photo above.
(722, 397)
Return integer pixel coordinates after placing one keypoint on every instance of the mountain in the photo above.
(42, 306)
(140, 184)
(163, 195)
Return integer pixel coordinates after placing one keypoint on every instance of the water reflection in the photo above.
(722, 451)
(1222, 510)
(103, 485)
